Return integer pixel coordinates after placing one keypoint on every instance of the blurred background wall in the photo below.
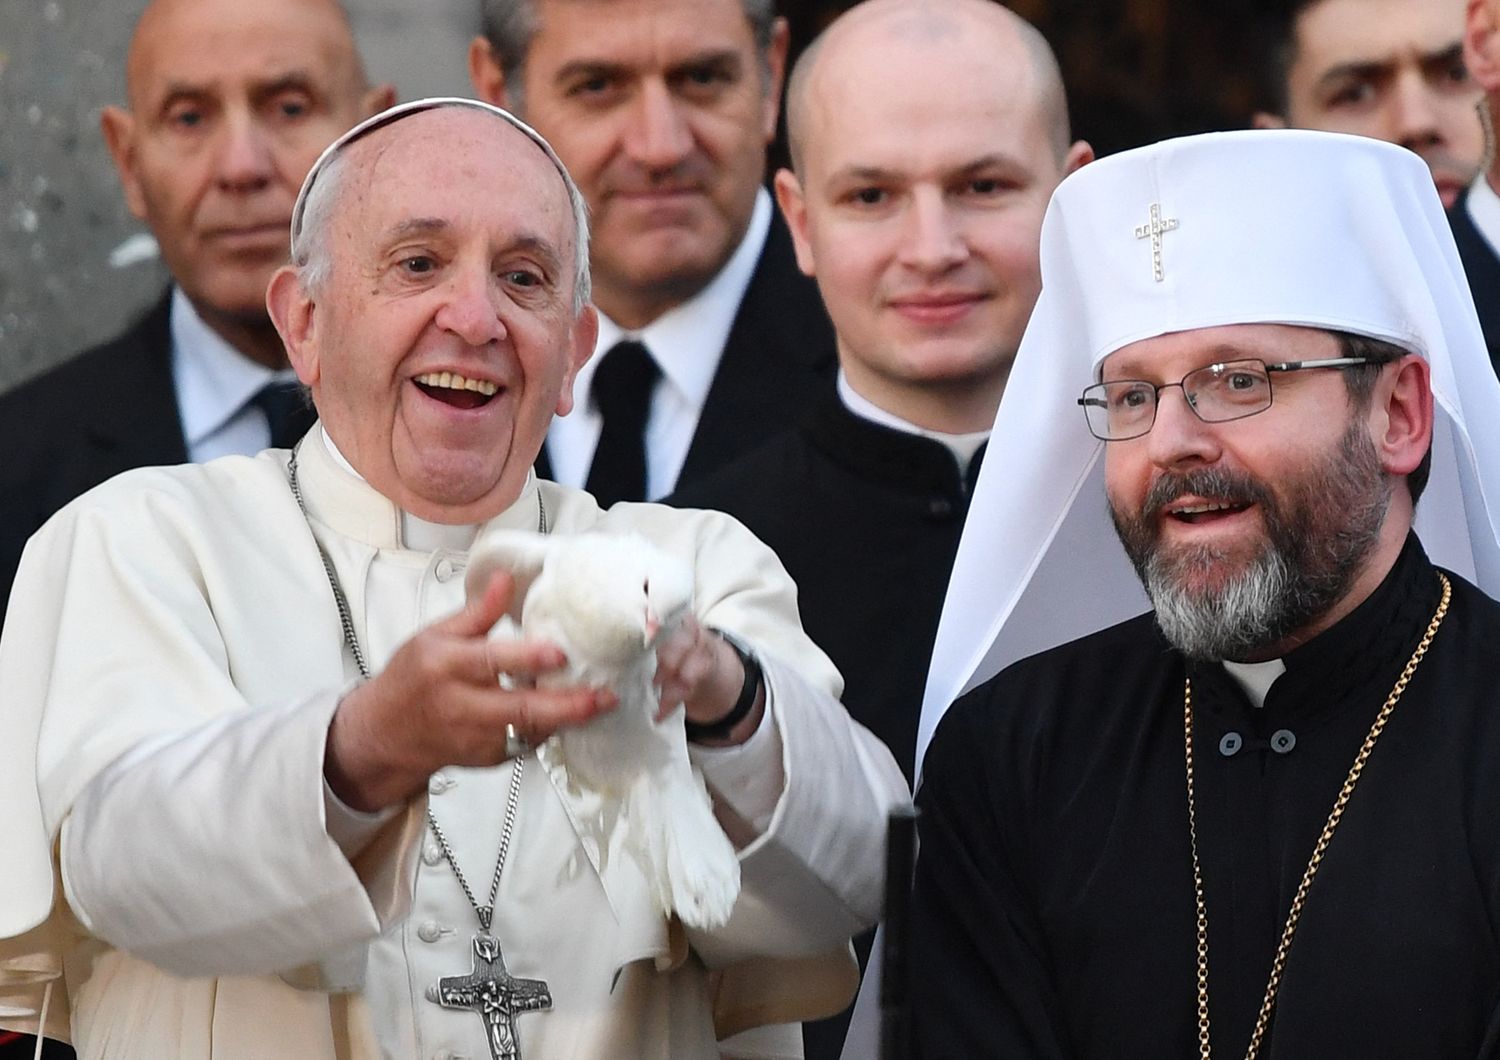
(75, 266)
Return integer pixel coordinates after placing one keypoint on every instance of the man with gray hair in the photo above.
(710, 340)
(264, 754)
(229, 105)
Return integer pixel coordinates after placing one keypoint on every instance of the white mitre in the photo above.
(1286, 227)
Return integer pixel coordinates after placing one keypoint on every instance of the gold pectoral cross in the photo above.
(495, 995)
(1153, 230)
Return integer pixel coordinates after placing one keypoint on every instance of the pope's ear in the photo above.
(583, 336)
(293, 311)
(794, 208)
(1264, 119)
(118, 127)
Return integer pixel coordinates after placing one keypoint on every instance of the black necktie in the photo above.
(287, 410)
(622, 392)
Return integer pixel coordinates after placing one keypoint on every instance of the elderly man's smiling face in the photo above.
(444, 337)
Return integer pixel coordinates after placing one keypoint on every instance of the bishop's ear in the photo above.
(1402, 414)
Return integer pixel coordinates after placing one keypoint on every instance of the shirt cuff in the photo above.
(748, 776)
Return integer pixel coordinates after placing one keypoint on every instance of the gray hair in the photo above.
(510, 26)
(312, 247)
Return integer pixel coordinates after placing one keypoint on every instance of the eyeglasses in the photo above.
(1217, 393)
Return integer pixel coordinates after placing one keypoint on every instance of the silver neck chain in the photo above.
(485, 912)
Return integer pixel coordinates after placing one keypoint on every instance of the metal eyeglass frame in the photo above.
(1086, 399)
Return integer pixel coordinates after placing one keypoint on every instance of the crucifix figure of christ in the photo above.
(1153, 230)
(496, 995)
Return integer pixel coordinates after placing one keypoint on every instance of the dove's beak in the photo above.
(653, 627)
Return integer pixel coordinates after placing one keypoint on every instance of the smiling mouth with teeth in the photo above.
(1192, 513)
(457, 390)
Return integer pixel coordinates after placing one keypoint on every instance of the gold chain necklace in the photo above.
(1319, 849)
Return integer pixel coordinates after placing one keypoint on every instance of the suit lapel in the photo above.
(778, 360)
(1482, 267)
(135, 422)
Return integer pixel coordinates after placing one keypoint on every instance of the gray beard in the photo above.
(1259, 607)
(1317, 540)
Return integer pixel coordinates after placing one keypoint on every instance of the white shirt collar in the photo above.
(1255, 678)
(1484, 210)
(962, 446)
(416, 534)
(214, 381)
(687, 340)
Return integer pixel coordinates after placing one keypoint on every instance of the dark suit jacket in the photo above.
(110, 409)
(1483, 269)
(778, 360)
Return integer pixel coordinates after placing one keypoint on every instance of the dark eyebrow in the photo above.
(726, 58)
(292, 80)
(588, 69)
(1443, 60)
(1359, 70)
(1375, 69)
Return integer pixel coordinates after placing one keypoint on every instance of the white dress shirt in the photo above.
(214, 383)
(1484, 210)
(687, 342)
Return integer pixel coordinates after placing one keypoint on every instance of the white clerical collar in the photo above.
(1256, 678)
(417, 534)
(1484, 210)
(962, 446)
(688, 340)
(214, 381)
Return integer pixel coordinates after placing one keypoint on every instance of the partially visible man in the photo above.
(926, 140)
(262, 754)
(1391, 69)
(710, 341)
(1256, 820)
(1476, 216)
(230, 103)
(927, 137)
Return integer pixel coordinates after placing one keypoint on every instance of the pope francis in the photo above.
(264, 791)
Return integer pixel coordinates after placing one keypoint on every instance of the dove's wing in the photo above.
(522, 553)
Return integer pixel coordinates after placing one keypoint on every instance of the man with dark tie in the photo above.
(710, 341)
(229, 105)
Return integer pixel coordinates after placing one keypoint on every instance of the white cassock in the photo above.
(172, 659)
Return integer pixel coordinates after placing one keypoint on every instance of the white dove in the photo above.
(605, 600)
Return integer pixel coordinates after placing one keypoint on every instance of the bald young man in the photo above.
(229, 104)
(926, 139)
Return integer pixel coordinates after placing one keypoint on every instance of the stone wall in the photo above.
(75, 267)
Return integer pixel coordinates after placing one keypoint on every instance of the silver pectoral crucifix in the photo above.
(495, 995)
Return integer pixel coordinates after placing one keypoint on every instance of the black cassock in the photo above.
(1054, 910)
(866, 520)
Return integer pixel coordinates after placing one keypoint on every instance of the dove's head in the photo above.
(617, 594)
